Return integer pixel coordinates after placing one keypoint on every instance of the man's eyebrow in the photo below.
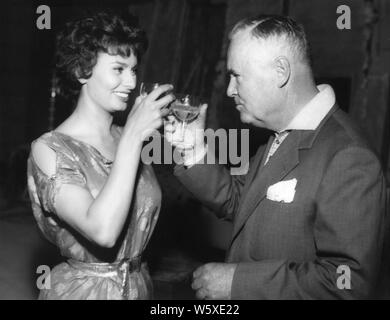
(232, 72)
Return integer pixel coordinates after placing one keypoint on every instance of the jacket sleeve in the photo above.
(214, 186)
(348, 233)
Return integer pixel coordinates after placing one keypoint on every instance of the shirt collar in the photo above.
(315, 110)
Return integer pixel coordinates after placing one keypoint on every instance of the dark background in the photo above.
(187, 48)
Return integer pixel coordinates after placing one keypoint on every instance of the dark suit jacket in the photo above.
(293, 250)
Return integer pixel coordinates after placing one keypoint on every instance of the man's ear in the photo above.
(283, 70)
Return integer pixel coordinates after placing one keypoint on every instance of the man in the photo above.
(309, 214)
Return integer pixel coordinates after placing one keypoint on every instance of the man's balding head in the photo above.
(287, 33)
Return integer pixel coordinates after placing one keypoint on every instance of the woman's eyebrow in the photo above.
(121, 63)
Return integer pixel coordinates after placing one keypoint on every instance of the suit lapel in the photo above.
(258, 164)
(281, 163)
(255, 166)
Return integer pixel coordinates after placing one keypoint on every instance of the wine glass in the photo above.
(186, 109)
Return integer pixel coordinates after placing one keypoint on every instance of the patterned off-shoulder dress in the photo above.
(91, 271)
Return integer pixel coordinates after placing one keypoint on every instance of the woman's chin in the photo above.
(120, 107)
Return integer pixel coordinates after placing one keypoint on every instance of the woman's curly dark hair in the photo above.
(79, 43)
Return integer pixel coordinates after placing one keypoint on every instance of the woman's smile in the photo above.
(123, 95)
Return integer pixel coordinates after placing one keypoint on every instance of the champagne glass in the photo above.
(186, 109)
(147, 87)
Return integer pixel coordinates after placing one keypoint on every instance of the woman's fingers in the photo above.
(164, 101)
(159, 97)
(164, 88)
(149, 111)
(165, 112)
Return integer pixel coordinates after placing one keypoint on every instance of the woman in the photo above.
(91, 195)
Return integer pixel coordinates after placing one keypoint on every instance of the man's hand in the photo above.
(214, 281)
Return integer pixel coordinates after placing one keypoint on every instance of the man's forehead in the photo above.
(241, 35)
(245, 46)
(244, 39)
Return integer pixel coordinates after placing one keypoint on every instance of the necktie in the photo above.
(279, 138)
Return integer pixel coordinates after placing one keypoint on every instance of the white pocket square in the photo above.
(283, 191)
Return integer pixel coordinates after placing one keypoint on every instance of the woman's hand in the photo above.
(148, 112)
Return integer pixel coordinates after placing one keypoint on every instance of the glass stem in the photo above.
(183, 127)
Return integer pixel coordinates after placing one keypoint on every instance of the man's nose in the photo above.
(231, 89)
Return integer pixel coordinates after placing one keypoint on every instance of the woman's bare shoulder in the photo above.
(43, 155)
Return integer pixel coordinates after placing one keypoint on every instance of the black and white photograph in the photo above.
(171, 150)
